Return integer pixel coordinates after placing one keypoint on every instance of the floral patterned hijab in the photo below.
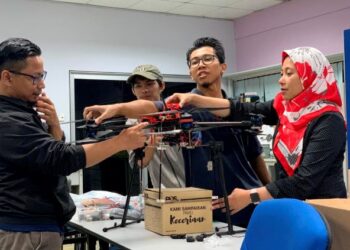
(320, 94)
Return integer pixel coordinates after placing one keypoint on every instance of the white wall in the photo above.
(91, 38)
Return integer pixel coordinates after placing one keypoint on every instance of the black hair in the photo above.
(208, 42)
(14, 52)
(160, 82)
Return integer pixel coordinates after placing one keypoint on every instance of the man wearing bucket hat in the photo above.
(147, 84)
(147, 71)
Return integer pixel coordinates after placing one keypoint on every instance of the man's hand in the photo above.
(133, 137)
(100, 112)
(182, 99)
(47, 112)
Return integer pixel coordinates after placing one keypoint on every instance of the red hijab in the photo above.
(320, 94)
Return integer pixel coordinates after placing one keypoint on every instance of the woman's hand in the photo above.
(238, 199)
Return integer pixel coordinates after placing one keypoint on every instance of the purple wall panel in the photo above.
(261, 36)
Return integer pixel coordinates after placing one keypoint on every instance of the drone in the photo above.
(175, 126)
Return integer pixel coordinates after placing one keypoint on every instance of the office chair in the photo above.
(287, 224)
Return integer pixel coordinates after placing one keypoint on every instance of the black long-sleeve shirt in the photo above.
(33, 166)
(320, 173)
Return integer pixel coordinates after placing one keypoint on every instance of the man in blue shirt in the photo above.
(241, 158)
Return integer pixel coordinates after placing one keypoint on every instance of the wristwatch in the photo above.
(254, 196)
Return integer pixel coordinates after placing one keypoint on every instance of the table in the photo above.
(135, 236)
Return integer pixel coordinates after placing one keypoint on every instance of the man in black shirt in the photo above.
(34, 197)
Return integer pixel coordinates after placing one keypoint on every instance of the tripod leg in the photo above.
(227, 205)
(127, 202)
(217, 148)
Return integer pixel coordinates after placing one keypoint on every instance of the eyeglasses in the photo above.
(36, 79)
(206, 59)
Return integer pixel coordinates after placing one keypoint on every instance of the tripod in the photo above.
(216, 149)
(139, 154)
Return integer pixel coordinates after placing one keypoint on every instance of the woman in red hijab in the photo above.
(310, 137)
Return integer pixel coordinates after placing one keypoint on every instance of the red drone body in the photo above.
(173, 124)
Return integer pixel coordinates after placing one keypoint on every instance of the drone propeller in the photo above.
(113, 123)
(165, 112)
(114, 120)
(76, 121)
(169, 132)
(86, 140)
(224, 124)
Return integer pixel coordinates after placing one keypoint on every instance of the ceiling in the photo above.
(222, 9)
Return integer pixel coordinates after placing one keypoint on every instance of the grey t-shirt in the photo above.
(172, 164)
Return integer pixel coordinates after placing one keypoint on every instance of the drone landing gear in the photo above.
(139, 154)
(216, 149)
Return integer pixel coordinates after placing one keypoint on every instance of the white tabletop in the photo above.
(135, 236)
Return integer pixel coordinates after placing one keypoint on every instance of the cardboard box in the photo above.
(178, 211)
(337, 213)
